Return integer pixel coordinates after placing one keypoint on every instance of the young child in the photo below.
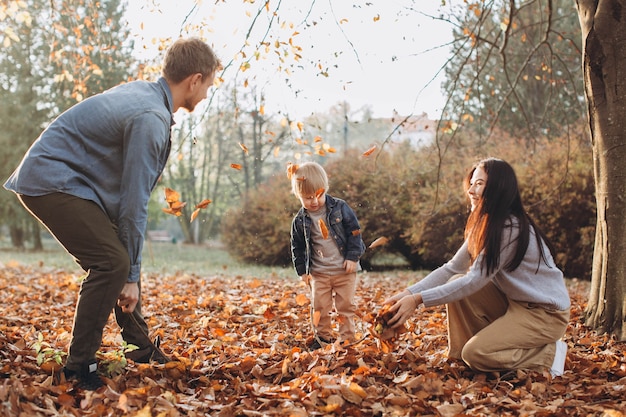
(326, 246)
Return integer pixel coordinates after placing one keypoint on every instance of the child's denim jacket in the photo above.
(343, 226)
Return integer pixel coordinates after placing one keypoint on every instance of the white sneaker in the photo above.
(558, 366)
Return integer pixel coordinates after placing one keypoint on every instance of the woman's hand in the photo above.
(403, 306)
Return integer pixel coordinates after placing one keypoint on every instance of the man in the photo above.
(88, 179)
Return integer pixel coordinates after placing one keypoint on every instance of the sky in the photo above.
(384, 54)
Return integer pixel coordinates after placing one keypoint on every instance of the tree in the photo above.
(55, 54)
(604, 42)
(511, 69)
(21, 82)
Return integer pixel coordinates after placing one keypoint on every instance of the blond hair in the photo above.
(308, 179)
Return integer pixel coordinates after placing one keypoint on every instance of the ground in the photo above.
(239, 345)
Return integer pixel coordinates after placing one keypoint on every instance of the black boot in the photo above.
(87, 376)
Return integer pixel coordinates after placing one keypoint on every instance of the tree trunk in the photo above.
(17, 236)
(603, 24)
(36, 233)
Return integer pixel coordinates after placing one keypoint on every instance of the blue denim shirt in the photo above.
(111, 149)
(343, 227)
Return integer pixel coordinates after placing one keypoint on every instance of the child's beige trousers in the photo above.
(342, 288)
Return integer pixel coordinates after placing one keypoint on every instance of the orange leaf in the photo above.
(317, 315)
(235, 166)
(323, 229)
(244, 148)
(218, 331)
(268, 314)
(370, 151)
(291, 169)
(177, 205)
(379, 242)
(168, 210)
(319, 192)
(203, 204)
(301, 299)
(194, 215)
(171, 196)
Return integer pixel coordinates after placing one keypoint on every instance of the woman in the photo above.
(507, 303)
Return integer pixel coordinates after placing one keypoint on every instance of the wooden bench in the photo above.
(159, 236)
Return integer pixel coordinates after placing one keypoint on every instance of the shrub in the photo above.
(258, 230)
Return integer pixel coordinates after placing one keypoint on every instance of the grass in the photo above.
(158, 258)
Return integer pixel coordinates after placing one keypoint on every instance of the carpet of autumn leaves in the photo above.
(240, 350)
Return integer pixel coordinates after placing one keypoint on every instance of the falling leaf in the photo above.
(291, 169)
(203, 204)
(381, 241)
(320, 192)
(323, 228)
(175, 206)
(369, 151)
(168, 210)
(194, 214)
(236, 166)
(244, 148)
(171, 196)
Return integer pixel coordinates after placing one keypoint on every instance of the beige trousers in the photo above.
(339, 289)
(489, 332)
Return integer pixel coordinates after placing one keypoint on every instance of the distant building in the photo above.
(417, 130)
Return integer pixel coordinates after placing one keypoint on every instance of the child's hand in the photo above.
(349, 266)
(306, 278)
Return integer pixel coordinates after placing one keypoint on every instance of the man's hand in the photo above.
(306, 278)
(128, 297)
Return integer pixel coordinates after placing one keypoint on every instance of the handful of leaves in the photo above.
(381, 330)
(382, 319)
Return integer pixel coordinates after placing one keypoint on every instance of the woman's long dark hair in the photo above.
(500, 200)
